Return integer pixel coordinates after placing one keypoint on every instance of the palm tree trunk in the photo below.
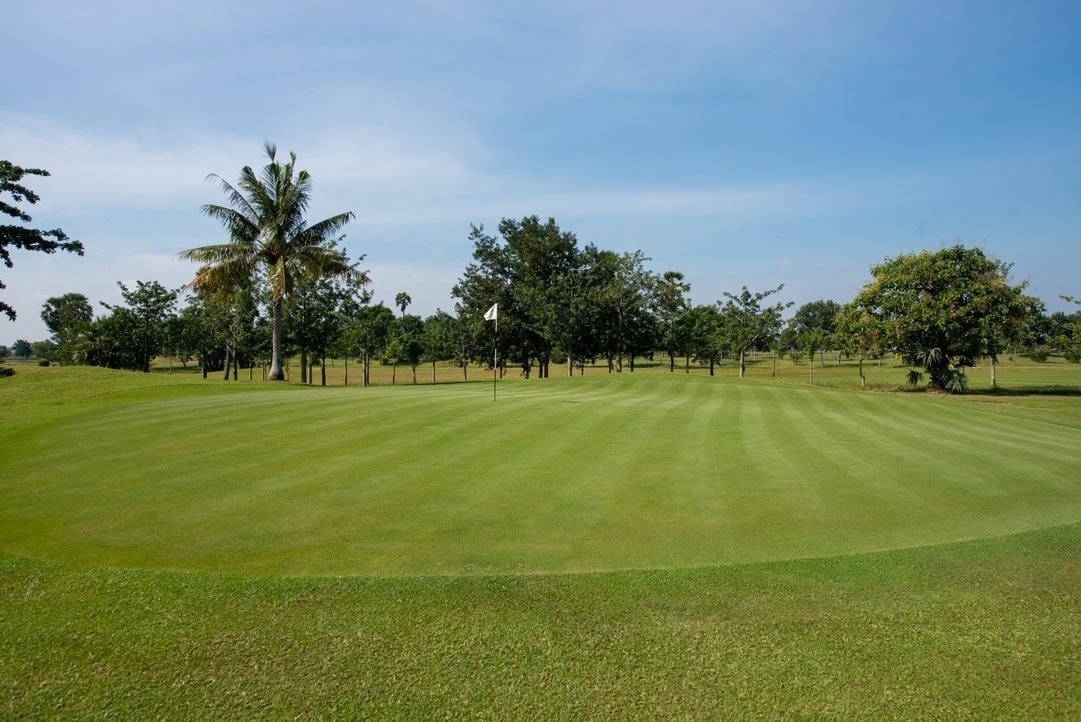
(276, 373)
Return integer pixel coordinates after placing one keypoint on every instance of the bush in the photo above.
(1073, 357)
(6, 371)
(43, 362)
(1038, 356)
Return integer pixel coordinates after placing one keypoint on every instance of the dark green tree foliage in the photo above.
(748, 322)
(151, 304)
(705, 334)
(1069, 336)
(201, 329)
(935, 308)
(440, 335)
(22, 349)
(44, 351)
(528, 269)
(68, 318)
(4, 352)
(816, 316)
(668, 302)
(21, 237)
(860, 335)
(367, 331)
(408, 340)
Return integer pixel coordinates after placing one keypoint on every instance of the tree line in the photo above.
(280, 285)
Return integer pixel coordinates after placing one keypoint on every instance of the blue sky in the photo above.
(740, 142)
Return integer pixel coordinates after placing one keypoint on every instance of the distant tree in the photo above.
(22, 349)
(270, 236)
(811, 342)
(748, 322)
(818, 316)
(368, 332)
(1071, 333)
(44, 350)
(705, 334)
(68, 318)
(4, 352)
(860, 335)
(439, 338)
(21, 237)
(933, 305)
(408, 341)
(668, 302)
(152, 304)
(402, 301)
(527, 269)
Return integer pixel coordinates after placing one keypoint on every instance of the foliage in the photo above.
(747, 321)
(935, 309)
(6, 371)
(151, 305)
(22, 349)
(818, 316)
(44, 350)
(68, 318)
(20, 237)
(270, 238)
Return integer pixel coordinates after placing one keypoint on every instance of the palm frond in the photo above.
(236, 198)
(218, 253)
(319, 233)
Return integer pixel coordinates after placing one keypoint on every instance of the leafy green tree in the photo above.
(68, 318)
(668, 302)
(368, 331)
(527, 269)
(20, 237)
(440, 331)
(705, 334)
(818, 316)
(860, 335)
(932, 306)
(402, 301)
(811, 342)
(22, 349)
(44, 351)
(1071, 333)
(407, 342)
(748, 321)
(152, 304)
(271, 238)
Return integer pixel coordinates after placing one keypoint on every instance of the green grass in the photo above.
(634, 546)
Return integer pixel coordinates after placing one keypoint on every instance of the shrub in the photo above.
(43, 362)
(1038, 356)
(6, 371)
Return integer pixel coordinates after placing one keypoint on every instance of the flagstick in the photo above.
(495, 355)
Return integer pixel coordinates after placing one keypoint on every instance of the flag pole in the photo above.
(495, 355)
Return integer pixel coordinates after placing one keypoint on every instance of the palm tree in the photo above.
(270, 235)
(402, 301)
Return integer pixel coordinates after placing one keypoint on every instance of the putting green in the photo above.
(603, 473)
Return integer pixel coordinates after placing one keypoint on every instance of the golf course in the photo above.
(647, 544)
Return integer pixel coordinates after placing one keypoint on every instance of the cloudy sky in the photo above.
(741, 142)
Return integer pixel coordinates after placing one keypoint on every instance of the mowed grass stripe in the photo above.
(604, 472)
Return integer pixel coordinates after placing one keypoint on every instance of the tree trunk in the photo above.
(687, 363)
(276, 373)
(742, 363)
(632, 362)
(347, 368)
(303, 366)
(994, 373)
(671, 362)
(236, 366)
(811, 368)
(394, 373)
(570, 364)
(202, 364)
(863, 379)
(433, 372)
(323, 372)
(774, 373)
(414, 374)
(227, 364)
(251, 371)
(465, 371)
(619, 363)
(711, 367)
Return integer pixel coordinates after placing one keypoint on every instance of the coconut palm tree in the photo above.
(270, 237)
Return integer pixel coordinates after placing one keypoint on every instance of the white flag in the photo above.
(492, 313)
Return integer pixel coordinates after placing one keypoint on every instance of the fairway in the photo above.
(602, 473)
